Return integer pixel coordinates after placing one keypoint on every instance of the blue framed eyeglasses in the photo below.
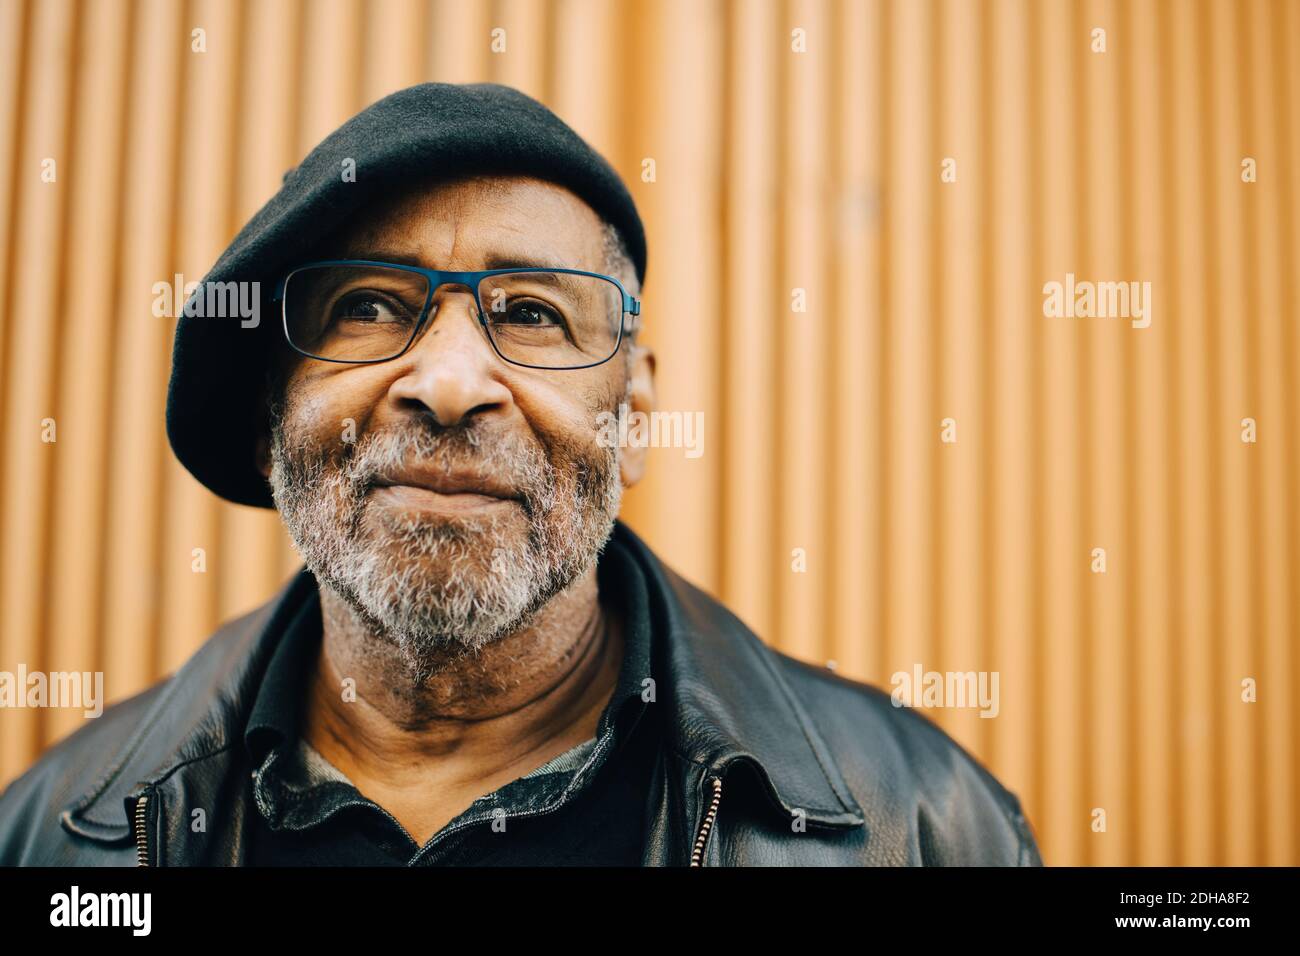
(357, 311)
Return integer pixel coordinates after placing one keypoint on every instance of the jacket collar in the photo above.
(727, 702)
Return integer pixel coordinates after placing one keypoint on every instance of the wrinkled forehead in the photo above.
(464, 223)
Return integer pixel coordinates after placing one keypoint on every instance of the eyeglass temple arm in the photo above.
(633, 308)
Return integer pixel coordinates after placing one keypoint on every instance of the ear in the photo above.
(641, 398)
(262, 446)
(262, 452)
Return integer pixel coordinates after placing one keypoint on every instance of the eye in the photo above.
(370, 308)
(529, 313)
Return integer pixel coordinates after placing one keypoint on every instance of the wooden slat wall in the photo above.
(775, 170)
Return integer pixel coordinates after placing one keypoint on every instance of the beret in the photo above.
(433, 130)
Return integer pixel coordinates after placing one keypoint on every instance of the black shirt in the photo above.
(585, 807)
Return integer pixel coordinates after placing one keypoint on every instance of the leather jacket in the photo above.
(765, 760)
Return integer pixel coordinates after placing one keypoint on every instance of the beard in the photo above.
(434, 585)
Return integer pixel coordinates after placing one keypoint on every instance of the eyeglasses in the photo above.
(356, 311)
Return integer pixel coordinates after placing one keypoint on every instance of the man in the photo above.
(479, 664)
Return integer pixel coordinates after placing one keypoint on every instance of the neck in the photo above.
(484, 718)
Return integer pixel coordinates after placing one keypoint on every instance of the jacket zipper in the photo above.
(702, 838)
(142, 829)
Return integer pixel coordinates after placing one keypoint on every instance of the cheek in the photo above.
(571, 404)
(330, 407)
(565, 422)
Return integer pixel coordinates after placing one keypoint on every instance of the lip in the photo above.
(441, 492)
(416, 498)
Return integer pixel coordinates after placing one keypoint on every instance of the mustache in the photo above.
(543, 471)
(507, 457)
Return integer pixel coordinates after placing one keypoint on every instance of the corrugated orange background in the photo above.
(775, 170)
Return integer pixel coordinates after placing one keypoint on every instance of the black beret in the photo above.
(435, 130)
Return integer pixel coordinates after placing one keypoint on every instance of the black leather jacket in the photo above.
(766, 761)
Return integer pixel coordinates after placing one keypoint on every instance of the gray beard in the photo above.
(429, 585)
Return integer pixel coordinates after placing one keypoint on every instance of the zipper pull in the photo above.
(702, 838)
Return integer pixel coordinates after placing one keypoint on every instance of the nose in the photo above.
(451, 368)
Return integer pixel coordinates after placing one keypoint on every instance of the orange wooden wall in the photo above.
(775, 170)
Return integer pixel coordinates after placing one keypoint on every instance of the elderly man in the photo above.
(479, 663)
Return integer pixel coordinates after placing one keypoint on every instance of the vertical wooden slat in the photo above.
(884, 69)
(1289, 130)
(803, 333)
(854, 349)
(1065, 806)
(959, 338)
(1192, 640)
(913, 428)
(1149, 573)
(1235, 324)
(13, 15)
(1274, 204)
(1104, 462)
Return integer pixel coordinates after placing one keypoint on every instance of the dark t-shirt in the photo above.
(585, 807)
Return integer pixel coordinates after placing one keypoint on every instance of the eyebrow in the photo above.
(499, 260)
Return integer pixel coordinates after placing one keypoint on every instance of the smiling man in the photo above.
(479, 664)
